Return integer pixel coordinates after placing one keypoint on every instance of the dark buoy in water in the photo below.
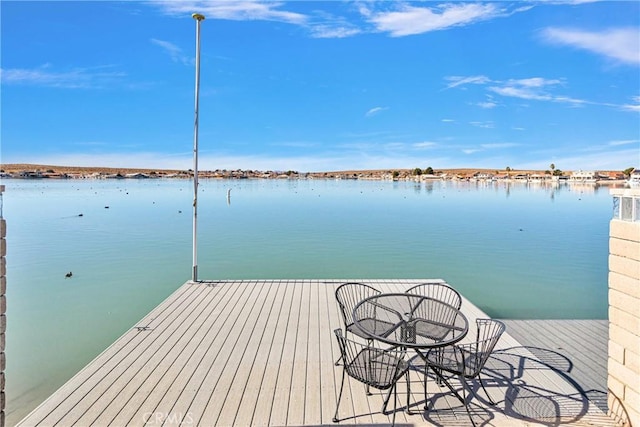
(80, 214)
(69, 274)
(106, 207)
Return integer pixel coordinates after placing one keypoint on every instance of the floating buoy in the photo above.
(80, 215)
(69, 274)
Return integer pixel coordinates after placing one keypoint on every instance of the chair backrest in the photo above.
(476, 354)
(349, 295)
(439, 291)
(377, 367)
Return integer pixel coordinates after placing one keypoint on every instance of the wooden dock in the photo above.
(262, 352)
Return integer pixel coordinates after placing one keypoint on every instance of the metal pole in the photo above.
(198, 17)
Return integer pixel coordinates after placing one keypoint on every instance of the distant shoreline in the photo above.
(35, 171)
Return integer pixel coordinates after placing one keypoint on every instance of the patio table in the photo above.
(410, 321)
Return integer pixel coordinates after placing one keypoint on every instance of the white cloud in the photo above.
(496, 145)
(535, 88)
(375, 110)
(333, 32)
(249, 10)
(632, 107)
(624, 142)
(409, 20)
(619, 44)
(459, 81)
(173, 51)
(484, 125)
(424, 145)
(487, 105)
(77, 78)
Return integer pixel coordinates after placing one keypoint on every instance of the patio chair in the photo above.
(375, 367)
(439, 291)
(348, 296)
(467, 360)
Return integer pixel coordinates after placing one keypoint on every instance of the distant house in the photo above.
(612, 175)
(536, 177)
(138, 175)
(583, 177)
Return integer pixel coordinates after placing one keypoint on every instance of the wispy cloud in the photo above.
(77, 78)
(408, 20)
(176, 54)
(487, 105)
(534, 89)
(424, 145)
(249, 10)
(471, 150)
(484, 125)
(619, 44)
(333, 32)
(624, 142)
(375, 110)
(461, 81)
(326, 25)
(497, 145)
(632, 107)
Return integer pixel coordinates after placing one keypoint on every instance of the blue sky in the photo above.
(323, 85)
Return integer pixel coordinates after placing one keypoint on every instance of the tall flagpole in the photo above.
(198, 17)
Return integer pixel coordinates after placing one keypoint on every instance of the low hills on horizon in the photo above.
(21, 167)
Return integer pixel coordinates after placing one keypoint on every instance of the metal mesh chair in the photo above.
(438, 313)
(375, 367)
(439, 291)
(348, 296)
(467, 360)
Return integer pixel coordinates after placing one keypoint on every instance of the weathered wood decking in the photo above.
(262, 353)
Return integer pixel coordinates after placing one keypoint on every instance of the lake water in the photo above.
(515, 250)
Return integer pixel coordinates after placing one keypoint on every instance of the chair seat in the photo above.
(377, 368)
(431, 330)
(372, 325)
(450, 359)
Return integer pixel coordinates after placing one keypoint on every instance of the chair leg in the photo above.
(408, 392)
(485, 391)
(338, 361)
(335, 417)
(464, 397)
(426, 372)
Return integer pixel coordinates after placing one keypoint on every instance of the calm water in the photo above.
(517, 251)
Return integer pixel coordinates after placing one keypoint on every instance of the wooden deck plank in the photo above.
(313, 386)
(262, 413)
(155, 397)
(209, 364)
(242, 394)
(296, 407)
(262, 352)
(280, 408)
(234, 354)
